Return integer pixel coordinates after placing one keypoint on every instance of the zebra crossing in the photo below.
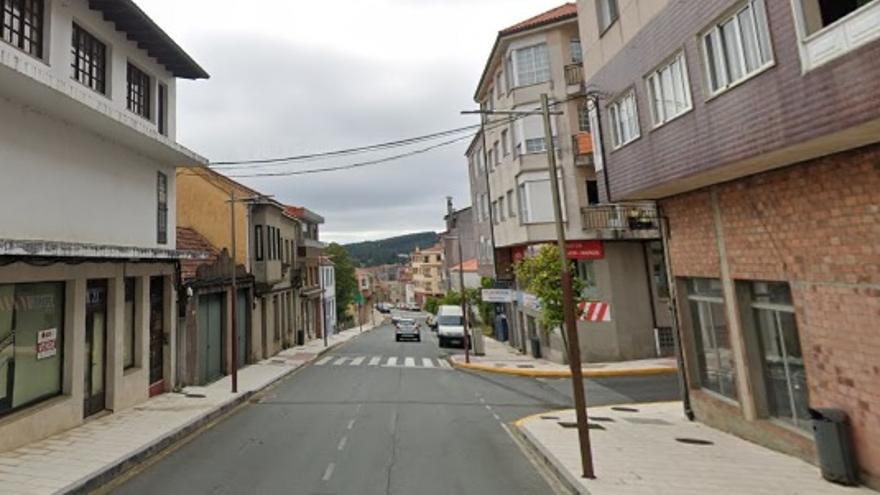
(385, 362)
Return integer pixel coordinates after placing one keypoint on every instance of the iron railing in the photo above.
(574, 74)
(621, 216)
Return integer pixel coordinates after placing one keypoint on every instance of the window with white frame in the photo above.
(606, 13)
(497, 154)
(536, 198)
(624, 119)
(583, 118)
(505, 142)
(530, 134)
(574, 46)
(828, 29)
(501, 210)
(511, 209)
(491, 159)
(598, 156)
(668, 90)
(532, 65)
(737, 46)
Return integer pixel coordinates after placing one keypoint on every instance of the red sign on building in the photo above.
(585, 250)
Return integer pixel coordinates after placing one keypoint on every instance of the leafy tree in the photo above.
(346, 280)
(486, 309)
(432, 305)
(541, 275)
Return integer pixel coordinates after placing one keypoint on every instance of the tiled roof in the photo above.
(470, 265)
(190, 240)
(303, 213)
(562, 12)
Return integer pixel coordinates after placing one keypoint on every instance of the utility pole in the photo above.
(234, 325)
(574, 351)
(321, 285)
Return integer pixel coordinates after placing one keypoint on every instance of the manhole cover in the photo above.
(572, 424)
(694, 441)
(601, 419)
(648, 421)
(624, 409)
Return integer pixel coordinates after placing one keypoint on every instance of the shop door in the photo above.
(95, 348)
(157, 335)
(211, 309)
(242, 327)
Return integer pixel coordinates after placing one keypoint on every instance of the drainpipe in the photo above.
(684, 387)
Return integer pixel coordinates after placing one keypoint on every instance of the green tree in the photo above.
(346, 280)
(541, 275)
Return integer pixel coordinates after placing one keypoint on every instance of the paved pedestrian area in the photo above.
(501, 358)
(66, 461)
(637, 451)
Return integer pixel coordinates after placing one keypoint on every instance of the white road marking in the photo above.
(357, 361)
(392, 361)
(427, 363)
(482, 400)
(324, 361)
(328, 473)
(375, 360)
(409, 362)
(342, 442)
(488, 407)
(496, 416)
(340, 361)
(444, 363)
(350, 424)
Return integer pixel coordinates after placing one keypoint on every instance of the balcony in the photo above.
(582, 149)
(574, 78)
(637, 220)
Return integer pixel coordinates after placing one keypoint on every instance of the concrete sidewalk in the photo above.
(90, 455)
(503, 359)
(637, 451)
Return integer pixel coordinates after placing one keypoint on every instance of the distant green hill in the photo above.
(385, 251)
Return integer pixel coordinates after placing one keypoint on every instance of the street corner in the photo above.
(533, 371)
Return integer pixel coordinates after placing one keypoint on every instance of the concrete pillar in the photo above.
(75, 339)
(169, 351)
(115, 340)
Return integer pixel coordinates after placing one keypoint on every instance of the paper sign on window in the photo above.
(46, 343)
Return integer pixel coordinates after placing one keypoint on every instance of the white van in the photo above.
(450, 325)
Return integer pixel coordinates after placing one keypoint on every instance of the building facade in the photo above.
(460, 228)
(88, 276)
(328, 286)
(755, 126)
(427, 273)
(310, 253)
(609, 244)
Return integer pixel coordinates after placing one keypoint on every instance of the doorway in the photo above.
(212, 309)
(242, 327)
(157, 335)
(96, 348)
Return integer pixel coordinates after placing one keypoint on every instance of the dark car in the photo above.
(407, 329)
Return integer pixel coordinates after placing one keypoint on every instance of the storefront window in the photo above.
(712, 337)
(129, 331)
(586, 272)
(783, 363)
(31, 343)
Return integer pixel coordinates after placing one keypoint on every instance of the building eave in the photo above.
(58, 249)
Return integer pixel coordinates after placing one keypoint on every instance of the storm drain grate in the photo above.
(694, 441)
(601, 419)
(572, 424)
(648, 421)
(525, 366)
(624, 409)
(549, 417)
(194, 396)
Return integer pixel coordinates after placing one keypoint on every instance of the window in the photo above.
(574, 46)
(530, 134)
(586, 272)
(279, 244)
(496, 153)
(521, 203)
(785, 378)
(658, 269)
(532, 65)
(828, 29)
(606, 13)
(583, 118)
(162, 117)
(737, 47)
(598, 154)
(498, 86)
(31, 343)
(505, 142)
(89, 60)
(138, 91)
(819, 14)
(711, 337)
(258, 242)
(592, 192)
(501, 211)
(624, 120)
(490, 159)
(495, 212)
(536, 199)
(511, 210)
(162, 209)
(668, 90)
(22, 25)
(128, 336)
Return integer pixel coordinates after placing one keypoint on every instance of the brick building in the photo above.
(755, 126)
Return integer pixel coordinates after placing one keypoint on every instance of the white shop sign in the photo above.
(47, 343)
(497, 295)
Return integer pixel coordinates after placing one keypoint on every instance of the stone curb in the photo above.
(113, 470)
(588, 373)
(550, 461)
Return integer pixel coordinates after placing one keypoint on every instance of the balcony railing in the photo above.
(574, 74)
(637, 219)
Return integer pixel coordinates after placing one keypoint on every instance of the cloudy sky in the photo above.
(293, 76)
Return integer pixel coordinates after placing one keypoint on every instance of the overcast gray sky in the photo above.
(294, 76)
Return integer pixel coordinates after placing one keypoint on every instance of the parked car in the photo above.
(407, 329)
(450, 326)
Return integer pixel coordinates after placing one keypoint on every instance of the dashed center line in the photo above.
(342, 443)
(350, 424)
(328, 473)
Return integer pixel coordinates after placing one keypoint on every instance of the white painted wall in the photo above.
(60, 183)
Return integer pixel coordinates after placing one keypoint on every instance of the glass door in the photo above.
(7, 349)
(95, 348)
(157, 334)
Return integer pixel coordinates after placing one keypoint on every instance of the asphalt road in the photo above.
(359, 422)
